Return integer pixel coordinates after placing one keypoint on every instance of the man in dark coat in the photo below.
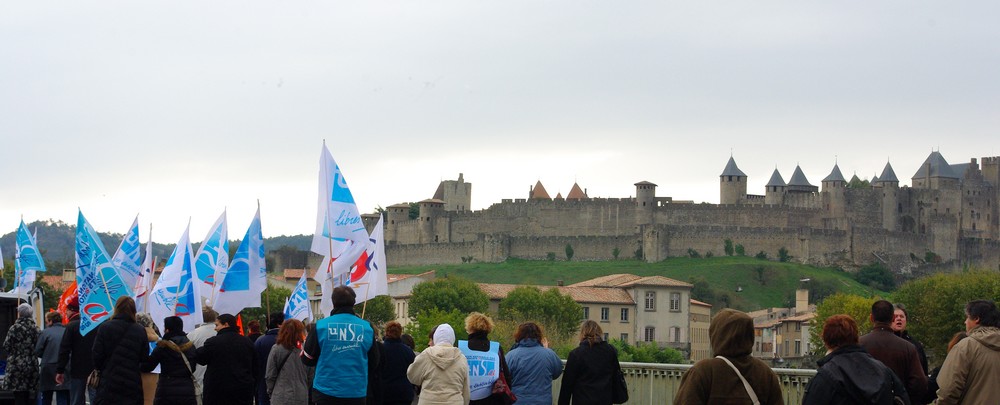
(79, 349)
(900, 318)
(899, 355)
(229, 378)
(47, 349)
(262, 348)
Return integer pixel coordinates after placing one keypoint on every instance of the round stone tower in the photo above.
(888, 184)
(834, 190)
(645, 202)
(430, 211)
(733, 184)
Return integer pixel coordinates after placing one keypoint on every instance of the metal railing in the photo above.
(656, 384)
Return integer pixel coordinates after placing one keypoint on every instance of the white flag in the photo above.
(212, 259)
(297, 305)
(144, 283)
(340, 235)
(1, 258)
(368, 274)
(128, 259)
(176, 291)
(241, 285)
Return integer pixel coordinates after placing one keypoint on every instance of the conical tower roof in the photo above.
(576, 193)
(776, 180)
(855, 178)
(559, 196)
(875, 179)
(799, 178)
(731, 169)
(539, 193)
(835, 175)
(938, 167)
(888, 175)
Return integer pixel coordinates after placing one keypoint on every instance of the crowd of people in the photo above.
(341, 360)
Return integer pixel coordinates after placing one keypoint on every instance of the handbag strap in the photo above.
(746, 385)
(173, 346)
(282, 365)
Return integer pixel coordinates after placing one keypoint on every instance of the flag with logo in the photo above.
(240, 287)
(368, 275)
(297, 305)
(27, 250)
(128, 258)
(144, 284)
(340, 235)
(176, 291)
(212, 259)
(98, 282)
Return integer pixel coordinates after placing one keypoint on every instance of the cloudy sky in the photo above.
(178, 110)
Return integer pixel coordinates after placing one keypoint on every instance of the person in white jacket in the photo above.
(441, 371)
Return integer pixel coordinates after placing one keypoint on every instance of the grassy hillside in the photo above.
(722, 274)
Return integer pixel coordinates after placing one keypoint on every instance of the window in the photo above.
(798, 326)
(605, 336)
(798, 347)
(624, 337)
(586, 312)
(649, 334)
(624, 314)
(605, 315)
(674, 334)
(675, 302)
(651, 300)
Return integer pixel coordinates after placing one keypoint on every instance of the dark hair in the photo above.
(393, 330)
(900, 307)
(955, 339)
(983, 310)
(840, 330)
(291, 333)
(53, 317)
(343, 297)
(227, 319)
(276, 319)
(173, 324)
(431, 334)
(528, 330)
(254, 326)
(882, 311)
(125, 306)
(408, 340)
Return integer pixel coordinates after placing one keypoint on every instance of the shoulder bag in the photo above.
(94, 379)
(746, 385)
(194, 380)
(281, 366)
(619, 388)
(502, 389)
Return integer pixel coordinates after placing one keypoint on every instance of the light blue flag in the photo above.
(240, 286)
(98, 282)
(212, 259)
(297, 306)
(128, 258)
(27, 251)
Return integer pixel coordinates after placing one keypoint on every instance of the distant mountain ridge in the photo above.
(56, 241)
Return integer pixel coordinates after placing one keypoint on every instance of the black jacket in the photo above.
(262, 347)
(587, 379)
(175, 385)
(229, 378)
(395, 386)
(119, 349)
(931, 394)
(76, 351)
(849, 375)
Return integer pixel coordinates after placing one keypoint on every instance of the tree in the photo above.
(876, 276)
(615, 252)
(762, 255)
(426, 320)
(693, 253)
(936, 305)
(728, 247)
(446, 294)
(647, 353)
(569, 252)
(855, 306)
(702, 291)
(783, 255)
(271, 300)
(740, 251)
(558, 313)
(379, 310)
(414, 211)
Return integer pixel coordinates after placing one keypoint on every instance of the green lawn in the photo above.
(724, 275)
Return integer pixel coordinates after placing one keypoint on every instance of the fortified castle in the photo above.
(947, 217)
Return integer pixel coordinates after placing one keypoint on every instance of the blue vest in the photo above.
(342, 368)
(484, 369)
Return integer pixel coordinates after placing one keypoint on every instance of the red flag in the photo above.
(239, 323)
(67, 296)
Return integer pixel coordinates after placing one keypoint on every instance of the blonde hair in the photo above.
(591, 332)
(478, 322)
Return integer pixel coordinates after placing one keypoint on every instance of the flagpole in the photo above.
(103, 280)
(149, 284)
(367, 290)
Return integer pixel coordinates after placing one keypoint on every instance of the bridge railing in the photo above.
(650, 384)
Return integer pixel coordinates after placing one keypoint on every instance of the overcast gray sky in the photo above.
(177, 110)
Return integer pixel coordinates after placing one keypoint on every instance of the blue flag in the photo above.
(176, 291)
(128, 258)
(27, 251)
(241, 285)
(98, 282)
(297, 306)
(212, 259)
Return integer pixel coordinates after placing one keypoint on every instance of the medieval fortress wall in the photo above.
(950, 210)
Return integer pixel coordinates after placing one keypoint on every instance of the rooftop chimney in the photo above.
(801, 301)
